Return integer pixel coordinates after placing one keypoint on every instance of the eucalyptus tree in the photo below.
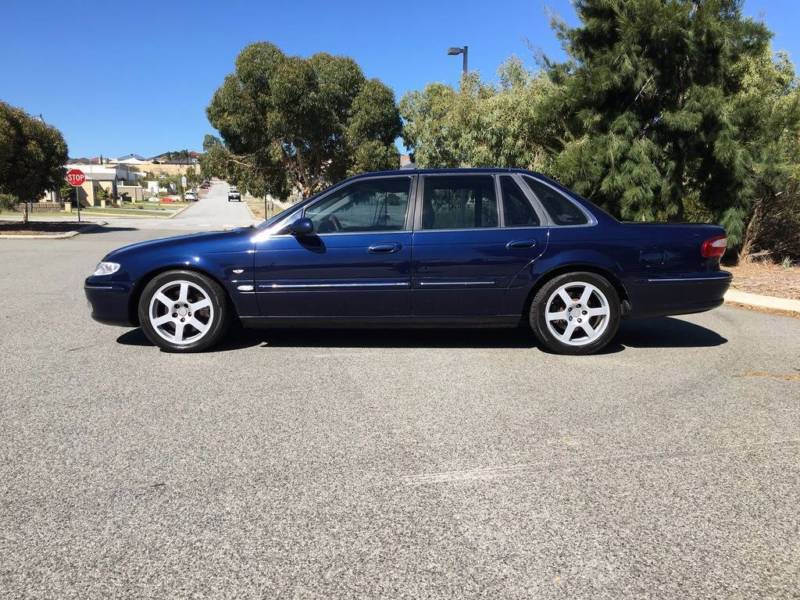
(291, 123)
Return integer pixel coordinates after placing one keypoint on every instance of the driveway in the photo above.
(389, 464)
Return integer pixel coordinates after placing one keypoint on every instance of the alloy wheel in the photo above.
(577, 313)
(181, 312)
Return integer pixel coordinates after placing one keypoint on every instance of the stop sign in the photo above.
(75, 177)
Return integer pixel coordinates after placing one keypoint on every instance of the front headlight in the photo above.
(106, 268)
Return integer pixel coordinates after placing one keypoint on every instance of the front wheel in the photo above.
(575, 313)
(183, 311)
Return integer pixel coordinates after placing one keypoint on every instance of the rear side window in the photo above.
(459, 202)
(561, 210)
(517, 211)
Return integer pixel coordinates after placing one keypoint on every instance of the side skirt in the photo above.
(438, 322)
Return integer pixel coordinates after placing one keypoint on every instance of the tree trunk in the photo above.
(751, 232)
(25, 213)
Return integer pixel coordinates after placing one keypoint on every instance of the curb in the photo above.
(52, 236)
(39, 236)
(250, 212)
(784, 306)
(131, 216)
(175, 214)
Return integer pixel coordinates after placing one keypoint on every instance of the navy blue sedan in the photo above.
(418, 248)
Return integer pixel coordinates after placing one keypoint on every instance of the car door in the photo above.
(357, 262)
(470, 243)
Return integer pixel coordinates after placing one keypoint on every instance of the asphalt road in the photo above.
(389, 464)
(213, 211)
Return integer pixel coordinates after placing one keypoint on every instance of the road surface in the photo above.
(389, 464)
(211, 212)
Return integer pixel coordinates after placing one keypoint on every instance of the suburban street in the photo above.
(213, 212)
(387, 463)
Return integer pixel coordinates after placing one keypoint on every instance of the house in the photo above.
(130, 159)
(114, 179)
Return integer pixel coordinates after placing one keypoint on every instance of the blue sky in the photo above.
(120, 77)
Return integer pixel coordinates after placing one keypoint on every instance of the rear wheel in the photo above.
(183, 311)
(575, 313)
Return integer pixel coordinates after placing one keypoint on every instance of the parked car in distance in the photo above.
(234, 195)
(418, 248)
(205, 185)
(190, 197)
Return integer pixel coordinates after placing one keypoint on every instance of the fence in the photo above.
(35, 207)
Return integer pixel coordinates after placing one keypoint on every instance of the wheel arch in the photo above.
(613, 279)
(141, 283)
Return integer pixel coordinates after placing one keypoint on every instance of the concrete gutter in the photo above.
(767, 303)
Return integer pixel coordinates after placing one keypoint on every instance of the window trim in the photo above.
(591, 220)
(420, 199)
(409, 205)
(544, 219)
(301, 210)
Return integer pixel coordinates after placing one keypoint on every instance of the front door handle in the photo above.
(521, 244)
(383, 248)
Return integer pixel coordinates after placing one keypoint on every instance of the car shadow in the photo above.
(664, 332)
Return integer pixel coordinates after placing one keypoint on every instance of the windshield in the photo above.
(297, 207)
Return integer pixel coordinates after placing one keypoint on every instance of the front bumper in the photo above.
(678, 294)
(110, 301)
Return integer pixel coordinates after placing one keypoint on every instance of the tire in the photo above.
(184, 311)
(585, 324)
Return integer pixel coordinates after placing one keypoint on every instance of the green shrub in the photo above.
(8, 202)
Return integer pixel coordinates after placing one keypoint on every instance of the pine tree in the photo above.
(656, 108)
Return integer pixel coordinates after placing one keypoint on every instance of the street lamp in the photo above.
(455, 51)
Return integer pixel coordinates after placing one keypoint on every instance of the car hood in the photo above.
(183, 241)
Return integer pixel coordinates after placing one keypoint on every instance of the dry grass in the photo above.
(256, 206)
(767, 278)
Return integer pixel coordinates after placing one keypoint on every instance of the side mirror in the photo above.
(302, 226)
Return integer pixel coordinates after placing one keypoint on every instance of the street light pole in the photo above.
(464, 51)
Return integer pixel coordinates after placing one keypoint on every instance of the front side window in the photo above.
(517, 210)
(561, 210)
(459, 202)
(371, 205)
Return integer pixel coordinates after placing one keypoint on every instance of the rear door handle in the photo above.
(383, 248)
(521, 244)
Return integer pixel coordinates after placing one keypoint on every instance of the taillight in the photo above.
(714, 247)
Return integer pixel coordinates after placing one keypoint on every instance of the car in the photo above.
(418, 248)
(234, 195)
(190, 197)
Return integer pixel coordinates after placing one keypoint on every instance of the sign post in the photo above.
(75, 178)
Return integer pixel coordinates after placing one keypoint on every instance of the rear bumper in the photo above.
(678, 294)
(109, 301)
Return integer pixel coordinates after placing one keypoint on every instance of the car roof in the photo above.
(445, 171)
